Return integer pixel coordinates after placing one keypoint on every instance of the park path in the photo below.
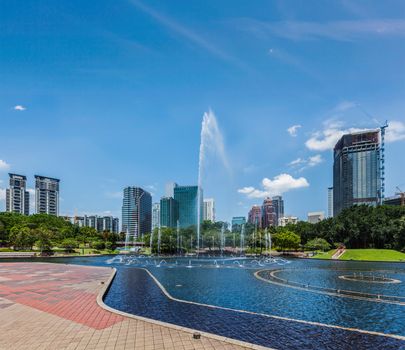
(339, 252)
(54, 306)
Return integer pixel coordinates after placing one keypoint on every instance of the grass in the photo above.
(373, 255)
(324, 255)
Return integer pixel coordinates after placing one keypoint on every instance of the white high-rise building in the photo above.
(209, 209)
(169, 189)
(46, 195)
(315, 217)
(155, 215)
(17, 198)
(285, 220)
(330, 202)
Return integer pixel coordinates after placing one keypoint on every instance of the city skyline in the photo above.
(98, 104)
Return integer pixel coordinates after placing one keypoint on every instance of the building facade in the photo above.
(136, 212)
(278, 204)
(255, 216)
(330, 202)
(17, 196)
(169, 212)
(238, 222)
(187, 198)
(99, 223)
(155, 215)
(268, 214)
(356, 170)
(209, 209)
(285, 220)
(46, 195)
(315, 217)
(169, 189)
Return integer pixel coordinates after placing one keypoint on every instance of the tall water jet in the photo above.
(159, 239)
(270, 243)
(266, 241)
(178, 238)
(151, 242)
(210, 139)
(126, 239)
(242, 238)
(222, 239)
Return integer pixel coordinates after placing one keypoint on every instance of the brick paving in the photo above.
(54, 306)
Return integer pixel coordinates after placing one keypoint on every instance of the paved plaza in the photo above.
(54, 306)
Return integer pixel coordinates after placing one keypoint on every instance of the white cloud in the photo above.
(306, 163)
(395, 131)
(292, 130)
(2, 194)
(19, 108)
(278, 185)
(4, 166)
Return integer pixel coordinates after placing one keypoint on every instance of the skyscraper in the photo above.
(17, 198)
(255, 216)
(237, 222)
(155, 215)
(278, 204)
(330, 202)
(187, 198)
(46, 195)
(136, 212)
(209, 209)
(268, 213)
(169, 189)
(356, 170)
(169, 212)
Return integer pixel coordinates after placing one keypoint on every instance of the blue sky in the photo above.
(112, 93)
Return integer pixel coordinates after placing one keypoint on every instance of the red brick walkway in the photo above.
(54, 306)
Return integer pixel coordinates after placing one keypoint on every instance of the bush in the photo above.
(69, 244)
(317, 244)
(98, 245)
(109, 246)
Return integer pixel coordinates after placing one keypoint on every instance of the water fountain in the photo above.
(222, 239)
(178, 238)
(159, 239)
(126, 239)
(211, 138)
(151, 242)
(242, 239)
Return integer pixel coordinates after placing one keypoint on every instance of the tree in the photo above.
(43, 239)
(287, 240)
(69, 244)
(317, 244)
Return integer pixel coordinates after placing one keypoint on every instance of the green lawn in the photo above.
(373, 254)
(324, 255)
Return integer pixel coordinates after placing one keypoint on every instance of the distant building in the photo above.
(356, 170)
(187, 198)
(315, 217)
(17, 197)
(237, 222)
(46, 195)
(209, 209)
(278, 204)
(136, 212)
(169, 212)
(285, 220)
(99, 223)
(396, 200)
(330, 202)
(155, 215)
(255, 216)
(268, 214)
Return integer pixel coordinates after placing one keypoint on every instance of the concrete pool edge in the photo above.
(106, 287)
(231, 340)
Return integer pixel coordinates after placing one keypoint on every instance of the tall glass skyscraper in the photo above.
(187, 198)
(278, 204)
(356, 170)
(136, 212)
(169, 212)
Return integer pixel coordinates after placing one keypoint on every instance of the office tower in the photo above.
(116, 225)
(356, 170)
(278, 204)
(286, 220)
(268, 213)
(46, 195)
(330, 202)
(169, 189)
(155, 215)
(237, 222)
(315, 217)
(17, 198)
(255, 216)
(136, 212)
(209, 209)
(187, 198)
(169, 212)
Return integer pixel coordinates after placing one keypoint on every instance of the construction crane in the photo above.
(402, 195)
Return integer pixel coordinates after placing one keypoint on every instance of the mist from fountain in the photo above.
(159, 239)
(126, 239)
